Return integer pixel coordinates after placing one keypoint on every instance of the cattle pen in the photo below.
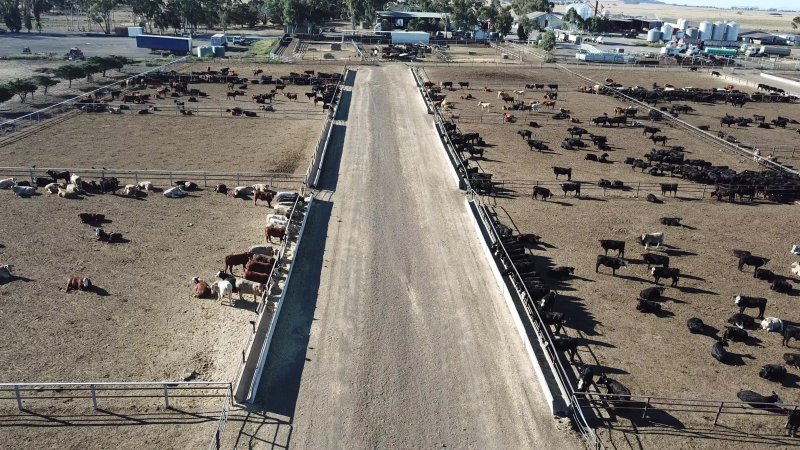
(602, 410)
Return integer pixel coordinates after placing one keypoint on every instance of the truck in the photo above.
(410, 37)
(718, 51)
(772, 50)
(173, 44)
(218, 40)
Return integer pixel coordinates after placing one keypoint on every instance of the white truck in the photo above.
(218, 40)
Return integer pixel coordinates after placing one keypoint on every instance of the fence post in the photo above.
(237, 179)
(170, 178)
(166, 396)
(205, 179)
(19, 397)
(136, 177)
(638, 185)
(30, 171)
(719, 411)
(646, 404)
(94, 397)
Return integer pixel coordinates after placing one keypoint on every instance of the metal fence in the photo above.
(99, 393)
(315, 168)
(201, 177)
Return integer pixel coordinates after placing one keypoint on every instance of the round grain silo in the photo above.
(683, 24)
(706, 30)
(731, 31)
(692, 33)
(654, 35)
(719, 31)
(666, 31)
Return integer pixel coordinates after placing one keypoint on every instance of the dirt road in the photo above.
(394, 334)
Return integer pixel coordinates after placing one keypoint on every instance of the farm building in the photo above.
(759, 37)
(400, 19)
(546, 20)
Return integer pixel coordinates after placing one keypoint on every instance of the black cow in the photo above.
(65, 175)
(781, 286)
(696, 326)
(560, 272)
(666, 272)
(652, 293)
(653, 259)
(617, 389)
(563, 171)
(789, 333)
(610, 244)
(569, 187)
(772, 372)
(543, 192)
(526, 134)
(648, 306)
(671, 221)
(567, 344)
(735, 334)
(609, 261)
(752, 260)
(741, 320)
(554, 318)
(718, 351)
(669, 187)
(764, 274)
(792, 422)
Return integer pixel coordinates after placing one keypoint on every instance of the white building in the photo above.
(546, 20)
(583, 10)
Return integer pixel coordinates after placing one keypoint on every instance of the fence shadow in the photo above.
(280, 383)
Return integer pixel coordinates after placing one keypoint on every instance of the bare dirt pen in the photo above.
(651, 355)
(475, 53)
(142, 324)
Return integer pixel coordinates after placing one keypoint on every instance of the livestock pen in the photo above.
(600, 308)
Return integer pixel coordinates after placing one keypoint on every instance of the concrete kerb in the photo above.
(262, 359)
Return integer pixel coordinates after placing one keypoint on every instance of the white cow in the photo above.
(52, 188)
(222, 288)
(73, 188)
(249, 287)
(175, 192)
(130, 190)
(772, 324)
(23, 191)
(76, 180)
(260, 187)
(796, 268)
(239, 191)
(64, 193)
(5, 272)
(7, 183)
(145, 186)
(648, 239)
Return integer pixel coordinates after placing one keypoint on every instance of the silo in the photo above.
(706, 30)
(666, 31)
(692, 33)
(731, 31)
(683, 24)
(719, 31)
(654, 35)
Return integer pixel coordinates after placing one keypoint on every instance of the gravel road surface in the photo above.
(394, 334)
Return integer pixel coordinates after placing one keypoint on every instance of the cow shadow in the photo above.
(16, 278)
(694, 290)
(688, 227)
(753, 341)
(560, 203)
(791, 380)
(99, 291)
(677, 252)
(244, 304)
(692, 277)
(633, 278)
(593, 199)
(664, 298)
(737, 359)
(661, 313)
(579, 317)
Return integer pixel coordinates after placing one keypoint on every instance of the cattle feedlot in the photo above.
(639, 226)
(652, 354)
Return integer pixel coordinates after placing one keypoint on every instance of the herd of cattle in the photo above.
(72, 186)
(181, 88)
(522, 265)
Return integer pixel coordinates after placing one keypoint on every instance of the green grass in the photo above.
(28, 56)
(647, 44)
(262, 47)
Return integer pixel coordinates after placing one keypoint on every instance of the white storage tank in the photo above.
(683, 24)
(654, 35)
(731, 31)
(583, 10)
(666, 31)
(692, 33)
(719, 31)
(706, 30)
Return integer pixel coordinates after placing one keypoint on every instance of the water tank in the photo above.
(719, 31)
(731, 31)
(666, 31)
(683, 24)
(706, 30)
(654, 35)
(692, 33)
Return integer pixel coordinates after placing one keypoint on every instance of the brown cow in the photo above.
(256, 266)
(79, 284)
(201, 289)
(291, 96)
(549, 103)
(257, 277)
(270, 233)
(267, 196)
(237, 259)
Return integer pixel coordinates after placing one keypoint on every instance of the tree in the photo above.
(99, 12)
(504, 22)
(147, 10)
(11, 15)
(796, 22)
(572, 17)
(522, 34)
(45, 81)
(5, 93)
(40, 6)
(522, 7)
(596, 24)
(548, 41)
(105, 63)
(22, 88)
(69, 72)
(90, 68)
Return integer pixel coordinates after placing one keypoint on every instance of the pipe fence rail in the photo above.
(103, 391)
(216, 437)
(315, 167)
(202, 178)
(645, 403)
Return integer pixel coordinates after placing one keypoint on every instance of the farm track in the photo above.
(397, 336)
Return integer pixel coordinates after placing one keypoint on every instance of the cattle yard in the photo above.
(141, 323)
(651, 354)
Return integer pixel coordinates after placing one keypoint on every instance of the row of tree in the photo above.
(27, 86)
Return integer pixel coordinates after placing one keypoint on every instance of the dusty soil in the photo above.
(651, 355)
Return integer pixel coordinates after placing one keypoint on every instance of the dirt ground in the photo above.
(663, 359)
